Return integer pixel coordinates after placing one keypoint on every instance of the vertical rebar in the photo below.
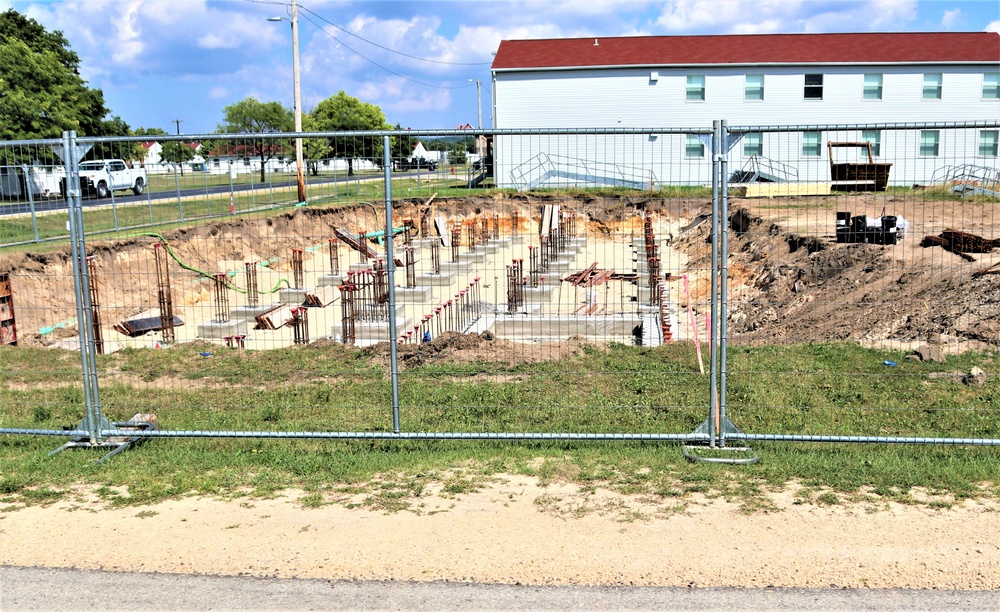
(163, 293)
(300, 325)
(95, 306)
(347, 291)
(334, 256)
(436, 255)
(221, 298)
(253, 294)
(515, 223)
(533, 265)
(298, 276)
(364, 247)
(456, 240)
(411, 270)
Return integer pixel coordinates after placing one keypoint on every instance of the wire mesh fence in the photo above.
(864, 283)
(596, 284)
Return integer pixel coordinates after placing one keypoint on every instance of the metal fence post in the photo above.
(31, 198)
(391, 268)
(714, 422)
(724, 271)
(81, 292)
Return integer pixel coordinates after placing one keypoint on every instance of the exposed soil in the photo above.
(516, 531)
(788, 279)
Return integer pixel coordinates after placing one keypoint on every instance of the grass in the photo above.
(808, 388)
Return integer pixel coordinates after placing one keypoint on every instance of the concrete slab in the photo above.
(595, 327)
(479, 256)
(414, 294)
(360, 267)
(456, 266)
(248, 313)
(217, 330)
(436, 280)
(325, 280)
(292, 296)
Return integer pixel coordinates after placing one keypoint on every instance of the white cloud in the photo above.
(218, 93)
(951, 18)
(993, 26)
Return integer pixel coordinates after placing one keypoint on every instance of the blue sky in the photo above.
(162, 60)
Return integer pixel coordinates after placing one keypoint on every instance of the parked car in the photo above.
(416, 163)
(101, 177)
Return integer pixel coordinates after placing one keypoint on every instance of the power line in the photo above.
(373, 43)
(374, 63)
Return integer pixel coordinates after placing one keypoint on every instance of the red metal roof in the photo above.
(893, 48)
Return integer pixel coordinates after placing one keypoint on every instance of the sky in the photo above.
(163, 61)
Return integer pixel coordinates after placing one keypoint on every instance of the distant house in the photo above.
(750, 80)
(154, 164)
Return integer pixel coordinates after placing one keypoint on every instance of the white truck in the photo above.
(101, 177)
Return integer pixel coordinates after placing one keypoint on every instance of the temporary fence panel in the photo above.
(869, 281)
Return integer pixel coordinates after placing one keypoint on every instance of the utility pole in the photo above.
(298, 95)
(178, 123)
(298, 102)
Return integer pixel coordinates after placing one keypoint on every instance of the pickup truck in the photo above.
(415, 163)
(101, 177)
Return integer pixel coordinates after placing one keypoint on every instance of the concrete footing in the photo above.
(435, 280)
(414, 294)
(326, 280)
(292, 296)
(456, 266)
(248, 313)
(217, 330)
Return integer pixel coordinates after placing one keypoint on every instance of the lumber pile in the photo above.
(961, 243)
(590, 277)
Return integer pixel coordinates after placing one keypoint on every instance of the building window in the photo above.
(696, 88)
(991, 86)
(694, 147)
(930, 141)
(932, 86)
(812, 144)
(874, 137)
(873, 87)
(754, 88)
(814, 87)
(988, 143)
(753, 144)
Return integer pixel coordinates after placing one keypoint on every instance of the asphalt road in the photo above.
(60, 589)
(126, 197)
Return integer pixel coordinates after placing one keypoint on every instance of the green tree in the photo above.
(41, 92)
(402, 146)
(343, 113)
(250, 116)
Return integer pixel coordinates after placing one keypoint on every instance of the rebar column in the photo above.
(334, 256)
(484, 230)
(253, 294)
(411, 269)
(221, 298)
(364, 247)
(512, 288)
(436, 255)
(515, 223)
(544, 248)
(456, 240)
(95, 306)
(496, 226)
(470, 232)
(163, 293)
(298, 278)
(533, 266)
(347, 312)
(300, 325)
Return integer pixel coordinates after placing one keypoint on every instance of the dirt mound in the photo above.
(454, 347)
(788, 287)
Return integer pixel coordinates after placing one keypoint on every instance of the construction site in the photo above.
(526, 270)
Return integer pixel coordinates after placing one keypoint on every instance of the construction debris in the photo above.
(137, 327)
(961, 243)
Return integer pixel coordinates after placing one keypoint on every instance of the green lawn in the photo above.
(809, 388)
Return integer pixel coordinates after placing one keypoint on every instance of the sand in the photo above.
(515, 531)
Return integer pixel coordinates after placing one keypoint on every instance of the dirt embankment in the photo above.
(789, 287)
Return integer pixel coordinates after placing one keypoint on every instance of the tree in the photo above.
(343, 113)
(41, 92)
(250, 116)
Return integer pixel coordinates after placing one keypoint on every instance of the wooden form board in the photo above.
(441, 226)
(777, 190)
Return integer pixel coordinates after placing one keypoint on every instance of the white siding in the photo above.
(629, 98)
